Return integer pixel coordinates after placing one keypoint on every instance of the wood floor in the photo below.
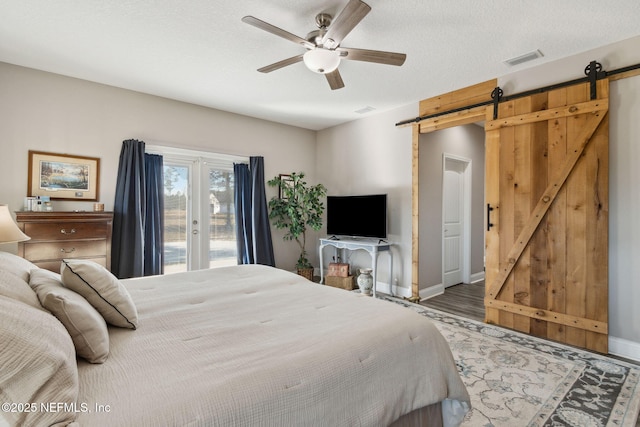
(465, 300)
(468, 301)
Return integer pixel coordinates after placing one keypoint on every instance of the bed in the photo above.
(231, 346)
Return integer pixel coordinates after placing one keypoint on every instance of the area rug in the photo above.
(518, 380)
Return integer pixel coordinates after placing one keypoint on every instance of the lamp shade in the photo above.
(321, 60)
(9, 231)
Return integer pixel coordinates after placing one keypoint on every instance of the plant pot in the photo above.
(307, 273)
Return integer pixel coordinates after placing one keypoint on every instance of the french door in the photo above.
(199, 217)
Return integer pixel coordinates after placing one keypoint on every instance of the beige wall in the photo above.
(47, 112)
(624, 211)
(368, 156)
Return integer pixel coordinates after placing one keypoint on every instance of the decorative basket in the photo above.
(347, 283)
(307, 273)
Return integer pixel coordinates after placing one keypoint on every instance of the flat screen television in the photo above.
(357, 216)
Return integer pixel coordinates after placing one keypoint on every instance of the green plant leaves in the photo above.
(300, 206)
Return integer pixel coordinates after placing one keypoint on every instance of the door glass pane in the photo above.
(176, 179)
(222, 223)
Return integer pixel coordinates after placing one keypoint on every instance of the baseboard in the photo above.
(435, 290)
(477, 277)
(431, 291)
(624, 348)
(398, 291)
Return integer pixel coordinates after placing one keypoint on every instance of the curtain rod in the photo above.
(586, 79)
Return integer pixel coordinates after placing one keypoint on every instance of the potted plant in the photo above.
(299, 206)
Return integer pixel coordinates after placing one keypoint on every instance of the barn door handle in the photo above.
(489, 223)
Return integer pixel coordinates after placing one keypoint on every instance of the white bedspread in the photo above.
(254, 345)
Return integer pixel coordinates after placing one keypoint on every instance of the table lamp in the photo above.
(9, 231)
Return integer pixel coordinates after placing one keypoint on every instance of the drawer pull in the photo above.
(64, 251)
(72, 231)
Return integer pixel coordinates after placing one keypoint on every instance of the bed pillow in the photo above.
(16, 265)
(12, 286)
(38, 365)
(103, 291)
(85, 325)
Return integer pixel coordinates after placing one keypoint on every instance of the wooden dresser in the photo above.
(58, 235)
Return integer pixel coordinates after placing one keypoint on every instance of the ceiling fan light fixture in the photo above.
(321, 60)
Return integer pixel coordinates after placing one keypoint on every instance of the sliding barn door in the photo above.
(547, 226)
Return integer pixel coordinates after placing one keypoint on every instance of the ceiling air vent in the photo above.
(529, 56)
(365, 110)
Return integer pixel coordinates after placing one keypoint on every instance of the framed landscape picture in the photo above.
(63, 176)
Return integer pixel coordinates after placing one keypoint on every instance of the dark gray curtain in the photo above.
(154, 227)
(127, 245)
(136, 209)
(242, 199)
(262, 244)
(253, 231)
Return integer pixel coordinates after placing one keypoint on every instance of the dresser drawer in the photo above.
(59, 250)
(56, 265)
(59, 235)
(66, 230)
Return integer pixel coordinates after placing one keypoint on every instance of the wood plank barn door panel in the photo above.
(547, 194)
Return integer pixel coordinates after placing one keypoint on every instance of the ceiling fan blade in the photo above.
(277, 31)
(281, 64)
(378, 56)
(346, 21)
(335, 80)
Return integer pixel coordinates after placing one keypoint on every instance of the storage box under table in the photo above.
(338, 269)
(347, 283)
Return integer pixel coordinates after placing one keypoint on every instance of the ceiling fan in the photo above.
(323, 45)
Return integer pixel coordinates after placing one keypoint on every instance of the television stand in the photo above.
(370, 246)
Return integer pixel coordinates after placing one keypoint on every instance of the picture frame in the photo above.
(63, 176)
(285, 181)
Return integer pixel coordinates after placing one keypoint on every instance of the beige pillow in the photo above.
(16, 265)
(12, 286)
(103, 291)
(38, 365)
(86, 326)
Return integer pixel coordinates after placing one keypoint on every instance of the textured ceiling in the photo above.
(199, 51)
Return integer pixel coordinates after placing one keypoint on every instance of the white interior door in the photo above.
(454, 221)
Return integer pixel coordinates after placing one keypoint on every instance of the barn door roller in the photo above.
(496, 95)
(594, 72)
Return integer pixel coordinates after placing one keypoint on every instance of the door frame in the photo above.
(197, 161)
(466, 215)
(459, 99)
